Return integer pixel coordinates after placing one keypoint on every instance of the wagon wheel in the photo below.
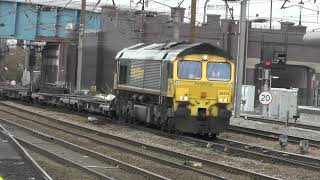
(163, 126)
(75, 107)
(126, 116)
(36, 101)
(131, 118)
(178, 133)
(120, 113)
(171, 125)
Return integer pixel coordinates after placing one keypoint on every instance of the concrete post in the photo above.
(26, 73)
(80, 45)
(2, 53)
(27, 57)
(177, 14)
(241, 56)
(193, 20)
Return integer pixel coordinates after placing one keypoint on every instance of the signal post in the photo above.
(265, 96)
(266, 88)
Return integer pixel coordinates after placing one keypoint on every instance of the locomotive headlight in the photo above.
(184, 98)
(223, 100)
(205, 57)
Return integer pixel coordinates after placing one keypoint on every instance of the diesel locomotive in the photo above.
(182, 87)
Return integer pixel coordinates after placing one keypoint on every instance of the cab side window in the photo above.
(170, 70)
(190, 70)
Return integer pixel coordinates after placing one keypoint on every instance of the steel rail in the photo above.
(150, 147)
(270, 135)
(60, 159)
(96, 140)
(289, 124)
(99, 156)
(247, 150)
(309, 111)
(221, 144)
(259, 152)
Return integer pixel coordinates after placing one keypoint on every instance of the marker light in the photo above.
(223, 100)
(183, 98)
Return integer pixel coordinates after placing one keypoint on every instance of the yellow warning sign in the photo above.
(136, 72)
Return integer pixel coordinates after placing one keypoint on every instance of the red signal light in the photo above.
(267, 62)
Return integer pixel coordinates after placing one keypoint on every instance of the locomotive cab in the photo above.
(202, 89)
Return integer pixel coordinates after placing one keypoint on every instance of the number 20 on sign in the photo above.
(265, 98)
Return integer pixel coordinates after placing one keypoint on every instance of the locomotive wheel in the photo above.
(69, 107)
(122, 119)
(211, 137)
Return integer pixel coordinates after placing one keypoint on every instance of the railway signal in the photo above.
(267, 57)
(267, 64)
(266, 61)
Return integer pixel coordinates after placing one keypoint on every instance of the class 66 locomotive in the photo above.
(178, 86)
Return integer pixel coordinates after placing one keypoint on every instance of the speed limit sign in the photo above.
(265, 98)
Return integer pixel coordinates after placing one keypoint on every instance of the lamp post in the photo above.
(205, 12)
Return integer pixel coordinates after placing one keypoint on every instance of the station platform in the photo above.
(15, 162)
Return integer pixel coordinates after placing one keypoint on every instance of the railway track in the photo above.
(21, 161)
(160, 156)
(237, 148)
(64, 152)
(58, 158)
(117, 163)
(241, 149)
